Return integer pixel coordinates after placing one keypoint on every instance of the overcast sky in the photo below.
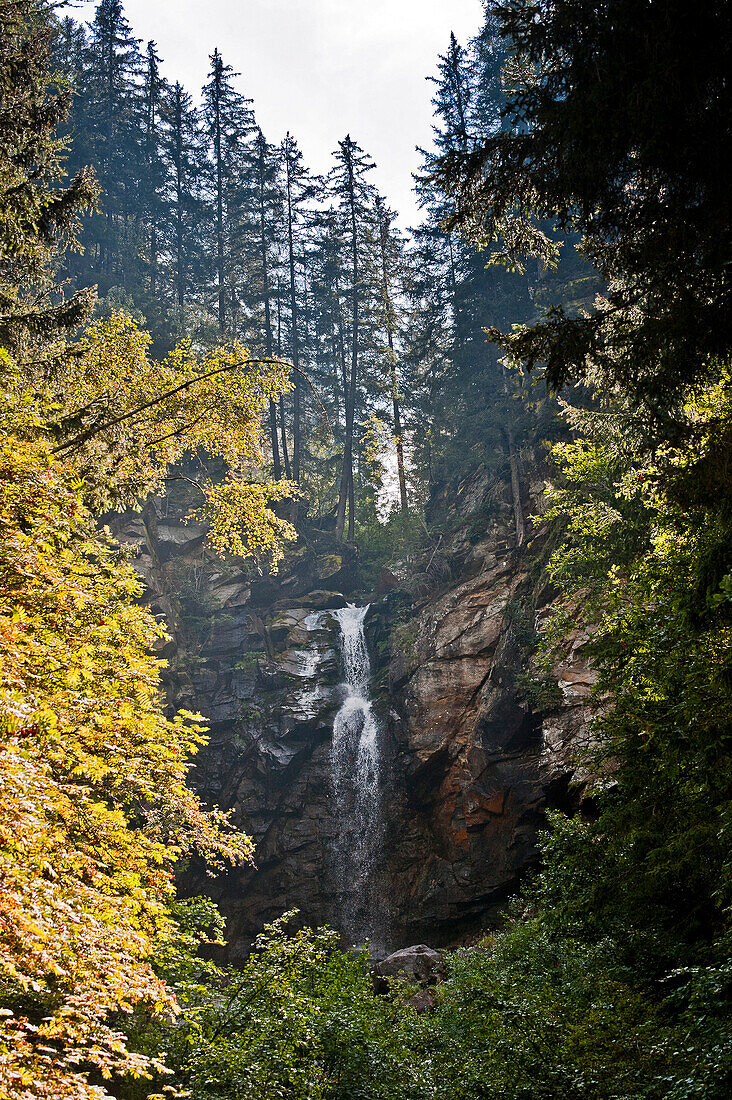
(320, 68)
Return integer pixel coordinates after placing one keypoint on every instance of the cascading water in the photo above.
(356, 776)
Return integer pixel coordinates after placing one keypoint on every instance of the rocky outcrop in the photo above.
(479, 763)
(471, 758)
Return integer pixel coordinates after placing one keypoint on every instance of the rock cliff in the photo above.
(474, 745)
(485, 745)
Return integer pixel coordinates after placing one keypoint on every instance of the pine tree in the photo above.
(326, 262)
(184, 156)
(349, 186)
(230, 125)
(298, 189)
(620, 117)
(281, 400)
(153, 179)
(110, 134)
(269, 210)
(390, 256)
(459, 292)
(38, 218)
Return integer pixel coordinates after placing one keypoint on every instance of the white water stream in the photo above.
(356, 777)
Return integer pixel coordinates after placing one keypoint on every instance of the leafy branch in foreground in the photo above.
(94, 807)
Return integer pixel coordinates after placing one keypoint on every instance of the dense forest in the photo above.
(185, 308)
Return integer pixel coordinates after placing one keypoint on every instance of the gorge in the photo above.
(423, 769)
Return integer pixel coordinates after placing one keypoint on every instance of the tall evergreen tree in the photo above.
(298, 189)
(351, 190)
(184, 156)
(391, 260)
(269, 211)
(110, 135)
(469, 394)
(620, 117)
(151, 190)
(38, 218)
(230, 125)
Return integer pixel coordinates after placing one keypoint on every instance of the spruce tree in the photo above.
(151, 190)
(268, 211)
(38, 216)
(297, 189)
(110, 129)
(391, 260)
(230, 126)
(620, 118)
(460, 291)
(351, 190)
(185, 160)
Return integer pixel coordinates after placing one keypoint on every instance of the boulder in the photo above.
(418, 962)
(424, 1001)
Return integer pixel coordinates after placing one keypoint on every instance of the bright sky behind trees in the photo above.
(320, 68)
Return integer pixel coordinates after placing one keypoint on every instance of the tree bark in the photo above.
(345, 495)
(518, 511)
(219, 193)
(267, 307)
(296, 439)
(389, 315)
(151, 138)
(178, 140)
(283, 419)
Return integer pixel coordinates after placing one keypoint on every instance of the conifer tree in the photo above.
(110, 135)
(229, 123)
(327, 279)
(184, 156)
(152, 198)
(351, 190)
(298, 189)
(38, 218)
(281, 400)
(460, 292)
(646, 191)
(69, 46)
(390, 256)
(269, 203)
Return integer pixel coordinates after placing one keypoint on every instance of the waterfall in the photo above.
(356, 778)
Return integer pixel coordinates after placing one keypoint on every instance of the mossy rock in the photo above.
(327, 565)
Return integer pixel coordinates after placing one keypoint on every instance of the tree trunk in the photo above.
(345, 495)
(267, 309)
(151, 139)
(518, 511)
(178, 139)
(351, 508)
(296, 441)
(515, 488)
(219, 193)
(389, 315)
(283, 424)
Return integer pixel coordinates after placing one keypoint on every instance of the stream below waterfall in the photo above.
(357, 787)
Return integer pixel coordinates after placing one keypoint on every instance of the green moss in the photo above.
(250, 659)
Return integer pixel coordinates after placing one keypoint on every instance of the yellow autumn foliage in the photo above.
(122, 420)
(94, 807)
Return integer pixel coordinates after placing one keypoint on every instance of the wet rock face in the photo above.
(477, 764)
(469, 767)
